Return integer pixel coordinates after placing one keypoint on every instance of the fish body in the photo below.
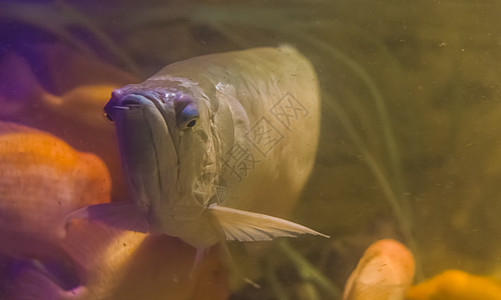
(116, 264)
(37, 167)
(385, 272)
(456, 285)
(212, 146)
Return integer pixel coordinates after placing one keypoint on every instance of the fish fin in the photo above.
(123, 215)
(199, 256)
(97, 237)
(246, 226)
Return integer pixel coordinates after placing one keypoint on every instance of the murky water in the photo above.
(409, 143)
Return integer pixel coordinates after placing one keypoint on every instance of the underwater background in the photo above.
(410, 145)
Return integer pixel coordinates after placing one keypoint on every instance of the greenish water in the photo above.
(411, 117)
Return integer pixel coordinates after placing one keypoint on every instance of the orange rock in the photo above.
(385, 272)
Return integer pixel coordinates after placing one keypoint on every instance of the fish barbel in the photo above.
(211, 145)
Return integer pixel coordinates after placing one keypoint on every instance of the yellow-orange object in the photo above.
(456, 285)
(83, 104)
(385, 272)
(42, 179)
(65, 99)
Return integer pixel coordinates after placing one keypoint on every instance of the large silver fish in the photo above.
(212, 145)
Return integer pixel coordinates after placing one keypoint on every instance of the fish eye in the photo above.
(188, 116)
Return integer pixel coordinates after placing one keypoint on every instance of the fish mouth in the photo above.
(138, 100)
(134, 100)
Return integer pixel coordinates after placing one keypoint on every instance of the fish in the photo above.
(69, 95)
(458, 285)
(109, 263)
(216, 147)
(385, 272)
(42, 179)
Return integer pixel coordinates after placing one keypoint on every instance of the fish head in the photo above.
(167, 147)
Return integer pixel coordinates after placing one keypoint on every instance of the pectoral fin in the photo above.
(245, 226)
(123, 215)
